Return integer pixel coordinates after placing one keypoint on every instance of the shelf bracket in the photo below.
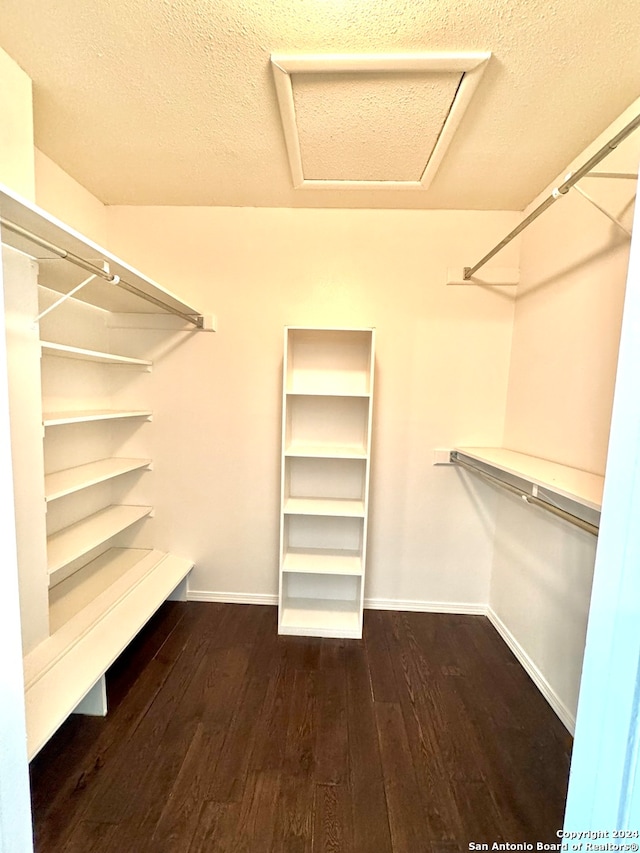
(602, 210)
(71, 293)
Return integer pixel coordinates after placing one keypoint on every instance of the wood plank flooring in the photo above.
(222, 736)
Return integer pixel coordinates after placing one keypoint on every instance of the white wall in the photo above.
(442, 365)
(563, 362)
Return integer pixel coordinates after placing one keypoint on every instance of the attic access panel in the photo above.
(372, 121)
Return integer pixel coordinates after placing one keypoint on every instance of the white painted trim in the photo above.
(408, 605)
(565, 715)
(15, 807)
(369, 603)
(232, 597)
(471, 65)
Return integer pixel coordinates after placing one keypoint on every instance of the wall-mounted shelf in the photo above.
(61, 418)
(580, 486)
(80, 538)
(569, 492)
(83, 597)
(64, 351)
(62, 483)
(56, 246)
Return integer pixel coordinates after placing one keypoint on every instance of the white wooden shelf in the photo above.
(62, 483)
(58, 274)
(326, 444)
(317, 617)
(310, 389)
(64, 351)
(91, 633)
(327, 450)
(85, 416)
(581, 487)
(79, 590)
(322, 561)
(325, 506)
(72, 542)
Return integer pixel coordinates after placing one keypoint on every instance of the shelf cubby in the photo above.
(327, 426)
(321, 605)
(328, 361)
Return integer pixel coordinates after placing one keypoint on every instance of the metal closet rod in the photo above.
(557, 193)
(530, 499)
(97, 271)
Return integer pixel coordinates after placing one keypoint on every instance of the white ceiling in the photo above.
(173, 101)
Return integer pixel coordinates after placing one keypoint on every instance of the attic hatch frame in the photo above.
(470, 65)
(584, 171)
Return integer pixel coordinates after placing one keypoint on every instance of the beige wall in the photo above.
(16, 128)
(563, 362)
(448, 374)
(63, 197)
(442, 363)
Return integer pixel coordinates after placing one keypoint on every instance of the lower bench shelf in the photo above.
(94, 616)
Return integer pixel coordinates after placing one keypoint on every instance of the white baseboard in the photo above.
(411, 605)
(565, 715)
(231, 597)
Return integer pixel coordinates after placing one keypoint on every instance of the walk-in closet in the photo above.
(319, 428)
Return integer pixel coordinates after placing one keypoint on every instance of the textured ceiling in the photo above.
(370, 127)
(173, 101)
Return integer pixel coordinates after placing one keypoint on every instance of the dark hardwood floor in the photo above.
(222, 736)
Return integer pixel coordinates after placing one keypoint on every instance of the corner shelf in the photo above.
(80, 538)
(64, 351)
(326, 443)
(66, 482)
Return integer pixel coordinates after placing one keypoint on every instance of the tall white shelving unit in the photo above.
(326, 450)
(81, 417)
